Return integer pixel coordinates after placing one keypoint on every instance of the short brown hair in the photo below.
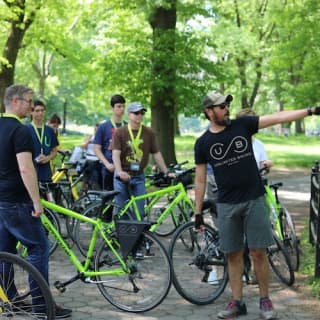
(55, 119)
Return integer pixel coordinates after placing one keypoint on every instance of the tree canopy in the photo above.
(165, 53)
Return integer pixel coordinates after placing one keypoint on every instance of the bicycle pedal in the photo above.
(59, 286)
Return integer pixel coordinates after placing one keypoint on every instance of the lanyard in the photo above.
(136, 141)
(40, 137)
(114, 124)
(10, 115)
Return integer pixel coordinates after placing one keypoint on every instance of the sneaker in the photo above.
(62, 313)
(213, 278)
(266, 310)
(233, 310)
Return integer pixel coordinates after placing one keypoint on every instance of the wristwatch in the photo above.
(309, 110)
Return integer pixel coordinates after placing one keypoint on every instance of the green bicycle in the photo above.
(282, 223)
(167, 208)
(126, 282)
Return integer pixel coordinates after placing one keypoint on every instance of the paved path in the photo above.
(291, 303)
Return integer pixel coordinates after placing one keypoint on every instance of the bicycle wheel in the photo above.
(55, 221)
(194, 265)
(80, 206)
(24, 294)
(289, 238)
(148, 282)
(82, 231)
(181, 213)
(280, 262)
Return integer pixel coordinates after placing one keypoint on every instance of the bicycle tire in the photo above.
(192, 264)
(82, 231)
(55, 221)
(152, 275)
(180, 214)
(289, 238)
(16, 274)
(80, 206)
(280, 262)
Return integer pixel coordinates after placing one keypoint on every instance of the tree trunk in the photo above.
(19, 26)
(163, 23)
(299, 126)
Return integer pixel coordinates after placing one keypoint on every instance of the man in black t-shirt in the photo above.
(242, 213)
(20, 206)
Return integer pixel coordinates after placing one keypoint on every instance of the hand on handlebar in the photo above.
(266, 163)
(264, 169)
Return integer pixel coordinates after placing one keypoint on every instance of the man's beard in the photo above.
(224, 122)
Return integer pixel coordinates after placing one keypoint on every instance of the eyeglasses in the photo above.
(221, 106)
(142, 112)
(30, 102)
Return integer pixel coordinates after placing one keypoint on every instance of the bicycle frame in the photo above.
(180, 196)
(58, 175)
(274, 210)
(99, 228)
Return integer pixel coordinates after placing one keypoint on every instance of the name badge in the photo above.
(134, 166)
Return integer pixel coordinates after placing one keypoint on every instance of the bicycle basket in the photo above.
(128, 232)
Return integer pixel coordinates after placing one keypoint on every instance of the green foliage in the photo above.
(308, 262)
(88, 50)
(291, 151)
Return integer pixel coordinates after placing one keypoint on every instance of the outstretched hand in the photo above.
(316, 111)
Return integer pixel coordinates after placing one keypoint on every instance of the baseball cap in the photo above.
(135, 106)
(214, 98)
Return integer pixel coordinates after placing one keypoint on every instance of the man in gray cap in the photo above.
(131, 147)
(242, 212)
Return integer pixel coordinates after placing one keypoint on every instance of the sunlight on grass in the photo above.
(293, 151)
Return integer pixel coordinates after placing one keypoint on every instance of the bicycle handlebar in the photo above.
(178, 166)
(161, 180)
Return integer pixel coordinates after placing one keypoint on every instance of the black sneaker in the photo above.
(62, 313)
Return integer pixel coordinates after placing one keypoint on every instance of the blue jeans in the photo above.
(135, 186)
(17, 224)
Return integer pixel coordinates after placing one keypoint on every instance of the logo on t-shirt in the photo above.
(237, 146)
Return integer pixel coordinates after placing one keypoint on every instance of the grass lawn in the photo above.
(293, 151)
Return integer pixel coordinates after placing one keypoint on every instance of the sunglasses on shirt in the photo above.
(142, 112)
